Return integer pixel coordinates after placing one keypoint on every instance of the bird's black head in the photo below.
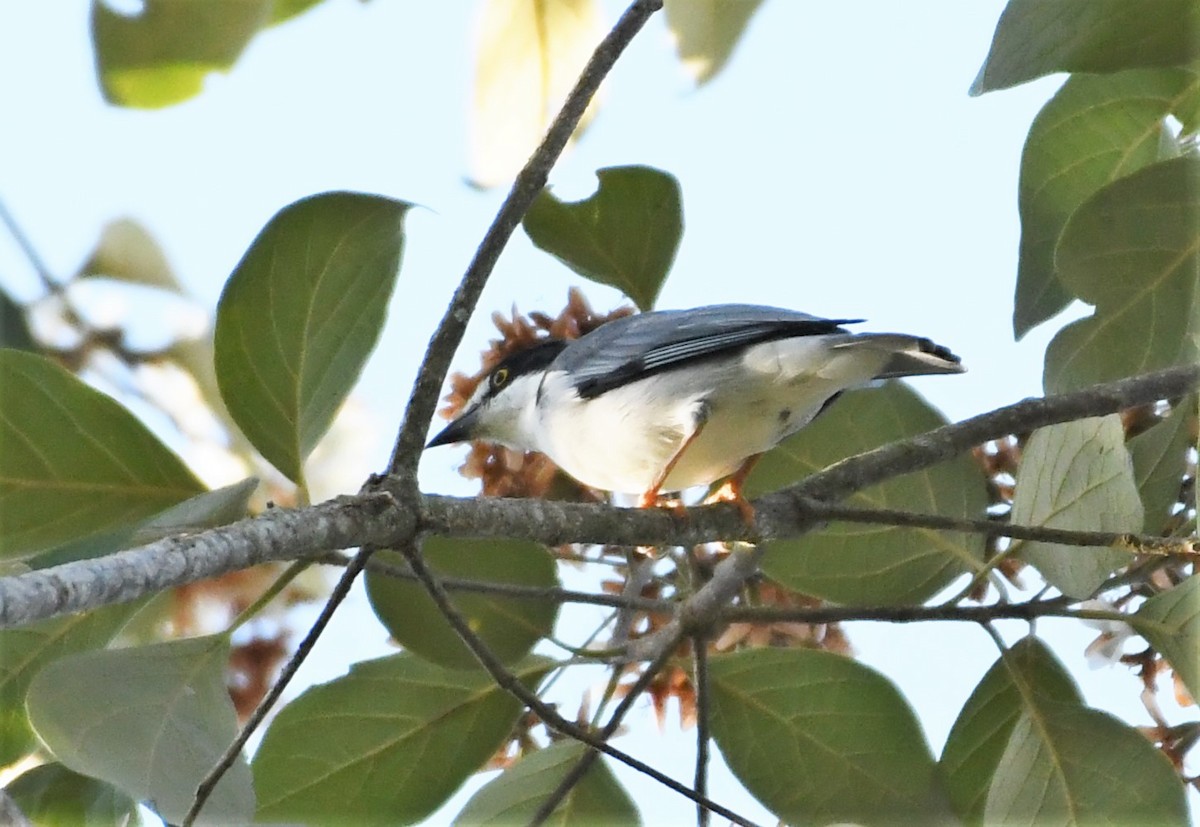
(482, 417)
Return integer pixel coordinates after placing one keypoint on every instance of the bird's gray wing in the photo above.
(637, 346)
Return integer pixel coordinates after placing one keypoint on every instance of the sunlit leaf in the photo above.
(301, 313)
(73, 462)
(872, 564)
(24, 651)
(1077, 476)
(151, 720)
(515, 796)
(1013, 686)
(386, 743)
(1159, 459)
(14, 328)
(706, 32)
(528, 55)
(126, 252)
(1095, 129)
(510, 627)
(53, 796)
(625, 235)
(162, 54)
(820, 738)
(1035, 38)
(1176, 634)
(1132, 250)
(282, 10)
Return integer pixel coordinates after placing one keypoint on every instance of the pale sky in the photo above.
(837, 166)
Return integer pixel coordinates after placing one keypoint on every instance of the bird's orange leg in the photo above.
(731, 490)
(650, 497)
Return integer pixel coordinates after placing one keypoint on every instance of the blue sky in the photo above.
(837, 166)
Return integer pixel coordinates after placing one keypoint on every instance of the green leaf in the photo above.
(282, 10)
(207, 510)
(1013, 686)
(162, 55)
(73, 462)
(1077, 476)
(706, 31)
(1132, 250)
(151, 720)
(24, 651)
(1065, 764)
(1176, 633)
(509, 626)
(1159, 459)
(1095, 129)
(385, 744)
(53, 796)
(127, 252)
(818, 737)
(625, 235)
(870, 564)
(300, 315)
(514, 797)
(1035, 38)
(14, 328)
(528, 55)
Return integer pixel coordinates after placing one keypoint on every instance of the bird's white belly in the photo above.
(623, 439)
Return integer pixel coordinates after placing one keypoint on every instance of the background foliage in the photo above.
(131, 704)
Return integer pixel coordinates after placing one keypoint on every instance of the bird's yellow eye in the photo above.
(499, 378)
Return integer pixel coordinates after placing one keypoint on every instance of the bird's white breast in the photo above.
(746, 404)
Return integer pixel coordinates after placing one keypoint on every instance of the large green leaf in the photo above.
(1065, 764)
(1012, 687)
(301, 313)
(1095, 129)
(510, 627)
(515, 796)
(162, 54)
(385, 744)
(625, 235)
(24, 651)
(1173, 628)
(1077, 476)
(53, 796)
(871, 564)
(818, 737)
(528, 55)
(1132, 250)
(706, 32)
(73, 462)
(1036, 37)
(1159, 459)
(151, 720)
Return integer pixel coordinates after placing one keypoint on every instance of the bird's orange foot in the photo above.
(731, 492)
(653, 499)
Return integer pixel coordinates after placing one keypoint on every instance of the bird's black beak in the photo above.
(460, 430)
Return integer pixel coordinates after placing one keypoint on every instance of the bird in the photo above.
(667, 400)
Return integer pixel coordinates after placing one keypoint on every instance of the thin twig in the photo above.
(30, 252)
(1132, 543)
(703, 702)
(547, 713)
(529, 182)
(340, 590)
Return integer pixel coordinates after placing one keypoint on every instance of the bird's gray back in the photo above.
(635, 346)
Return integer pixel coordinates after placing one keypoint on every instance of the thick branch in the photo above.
(374, 518)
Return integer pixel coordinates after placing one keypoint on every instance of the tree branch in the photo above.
(529, 182)
(375, 518)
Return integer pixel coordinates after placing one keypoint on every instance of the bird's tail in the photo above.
(908, 355)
